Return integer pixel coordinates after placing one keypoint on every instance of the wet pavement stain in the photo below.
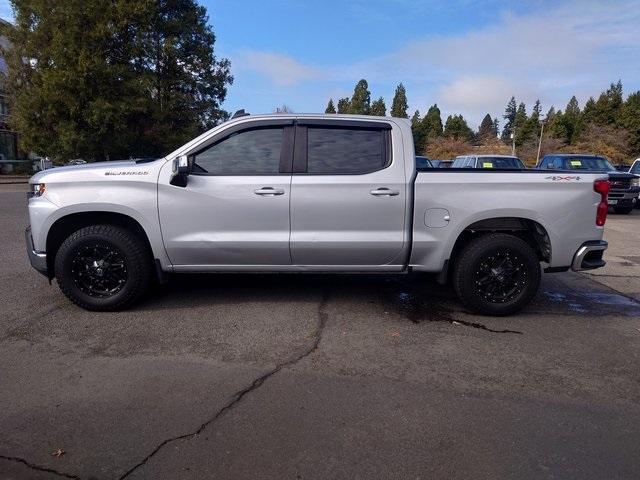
(416, 309)
(587, 302)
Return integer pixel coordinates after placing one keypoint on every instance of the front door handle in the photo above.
(384, 191)
(269, 191)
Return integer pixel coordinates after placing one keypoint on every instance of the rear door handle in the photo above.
(384, 191)
(269, 191)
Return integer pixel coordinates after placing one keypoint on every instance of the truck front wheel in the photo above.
(496, 274)
(103, 267)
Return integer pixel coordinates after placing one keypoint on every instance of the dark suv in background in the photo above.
(625, 188)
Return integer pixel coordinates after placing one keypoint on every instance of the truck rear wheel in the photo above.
(496, 274)
(103, 267)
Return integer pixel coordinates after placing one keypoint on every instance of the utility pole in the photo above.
(540, 141)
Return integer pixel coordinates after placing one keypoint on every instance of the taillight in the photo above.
(602, 187)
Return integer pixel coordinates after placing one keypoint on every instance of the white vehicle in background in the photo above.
(635, 169)
(311, 193)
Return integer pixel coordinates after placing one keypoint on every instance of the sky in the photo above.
(467, 56)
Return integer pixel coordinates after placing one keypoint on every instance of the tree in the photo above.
(330, 107)
(379, 108)
(608, 105)
(344, 105)
(630, 120)
(418, 133)
(284, 108)
(432, 122)
(361, 99)
(520, 124)
(487, 128)
(570, 122)
(113, 78)
(399, 105)
(589, 111)
(510, 117)
(456, 127)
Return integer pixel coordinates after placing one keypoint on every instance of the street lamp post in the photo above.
(513, 142)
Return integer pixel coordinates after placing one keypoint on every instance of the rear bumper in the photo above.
(589, 255)
(38, 260)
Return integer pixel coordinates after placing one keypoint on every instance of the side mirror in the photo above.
(182, 167)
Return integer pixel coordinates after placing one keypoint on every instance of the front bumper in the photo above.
(589, 255)
(623, 198)
(38, 260)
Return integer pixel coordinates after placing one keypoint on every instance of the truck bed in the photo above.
(563, 202)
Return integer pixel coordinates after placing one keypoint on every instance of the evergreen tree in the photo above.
(496, 127)
(608, 105)
(630, 120)
(456, 127)
(589, 111)
(399, 105)
(570, 122)
(432, 122)
(379, 108)
(113, 78)
(344, 105)
(535, 112)
(520, 126)
(361, 99)
(330, 107)
(418, 133)
(487, 128)
(509, 117)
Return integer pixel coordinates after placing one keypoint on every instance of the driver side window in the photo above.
(248, 152)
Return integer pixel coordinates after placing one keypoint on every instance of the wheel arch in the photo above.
(65, 225)
(527, 229)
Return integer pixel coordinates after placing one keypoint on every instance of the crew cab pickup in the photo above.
(310, 193)
(624, 187)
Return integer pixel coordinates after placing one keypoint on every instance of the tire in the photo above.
(496, 274)
(103, 267)
(623, 210)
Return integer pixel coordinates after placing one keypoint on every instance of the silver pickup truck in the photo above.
(310, 193)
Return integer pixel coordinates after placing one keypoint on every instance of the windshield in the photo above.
(588, 163)
(500, 162)
(636, 168)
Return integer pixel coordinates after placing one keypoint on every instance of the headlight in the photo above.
(635, 182)
(36, 190)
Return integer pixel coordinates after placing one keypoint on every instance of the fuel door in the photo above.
(436, 218)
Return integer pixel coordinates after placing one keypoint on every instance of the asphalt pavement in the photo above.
(320, 377)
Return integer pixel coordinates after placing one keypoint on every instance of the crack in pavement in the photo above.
(239, 395)
(37, 467)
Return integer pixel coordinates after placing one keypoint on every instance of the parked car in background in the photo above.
(423, 163)
(441, 163)
(500, 162)
(625, 187)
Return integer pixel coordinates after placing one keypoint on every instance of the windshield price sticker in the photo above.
(576, 163)
(487, 165)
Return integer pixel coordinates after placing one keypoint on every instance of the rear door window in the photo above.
(345, 151)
